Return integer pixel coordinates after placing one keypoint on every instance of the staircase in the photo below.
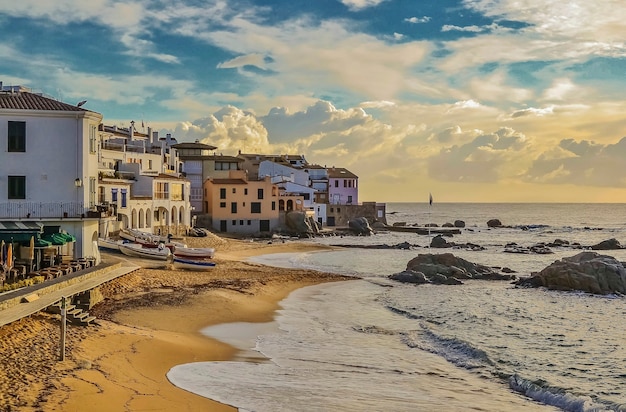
(75, 315)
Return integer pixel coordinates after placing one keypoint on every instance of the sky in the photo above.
(470, 100)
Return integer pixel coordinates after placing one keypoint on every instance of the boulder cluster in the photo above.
(587, 272)
(445, 269)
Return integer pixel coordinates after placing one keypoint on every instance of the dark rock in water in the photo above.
(431, 225)
(494, 223)
(446, 269)
(410, 276)
(447, 224)
(360, 226)
(558, 243)
(587, 271)
(508, 270)
(459, 223)
(610, 244)
(439, 242)
(539, 249)
(402, 246)
(396, 224)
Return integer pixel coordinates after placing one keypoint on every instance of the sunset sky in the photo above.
(470, 100)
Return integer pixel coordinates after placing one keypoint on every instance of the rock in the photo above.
(399, 224)
(459, 223)
(297, 223)
(494, 223)
(439, 242)
(448, 269)
(410, 276)
(447, 224)
(610, 244)
(360, 226)
(587, 271)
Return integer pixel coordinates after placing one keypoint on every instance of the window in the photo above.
(249, 222)
(273, 205)
(114, 195)
(241, 223)
(222, 204)
(336, 183)
(17, 136)
(349, 199)
(245, 191)
(223, 193)
(123, 197)
(17, 187)
(345, 183)
(255, 207)
(92, 191)
(233, 207)
(260, 193)
(92, 138)
(234, 190)
(234, 222)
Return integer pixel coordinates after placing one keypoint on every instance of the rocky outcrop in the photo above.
(360, 226)
(439, 242)
(494, 223)
(445, 269)
(610, 244)
(539, 248)
(587, 271)
(459, 223)
(297, 223)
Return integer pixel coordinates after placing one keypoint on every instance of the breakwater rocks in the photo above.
(587, 272)
(445, 269)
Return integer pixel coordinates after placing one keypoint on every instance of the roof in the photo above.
(228, 181)
(194, 145)
(222, 158)
(171, 177)
(22, 100)
(340, 173)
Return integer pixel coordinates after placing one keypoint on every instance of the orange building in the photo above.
(237, 205)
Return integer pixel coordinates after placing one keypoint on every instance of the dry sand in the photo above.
(148, 323)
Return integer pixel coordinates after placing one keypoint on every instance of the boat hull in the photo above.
(190, 252)
(191, 264)
(136, 250)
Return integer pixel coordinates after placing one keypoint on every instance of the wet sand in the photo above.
(149, 322)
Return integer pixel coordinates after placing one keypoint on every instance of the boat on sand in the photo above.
(137, 250)
(192, 264)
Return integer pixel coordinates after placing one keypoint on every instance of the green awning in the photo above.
(18, 231)
(55, 239)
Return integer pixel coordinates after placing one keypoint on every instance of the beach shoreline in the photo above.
(150, 321)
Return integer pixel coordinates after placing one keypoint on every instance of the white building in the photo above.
(48, 168)
(141, 179)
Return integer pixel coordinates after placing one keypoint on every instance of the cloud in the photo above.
(417, 20)
(356, 5)
(531, 111)
(254, 59)
(488, 158)
(583, 163)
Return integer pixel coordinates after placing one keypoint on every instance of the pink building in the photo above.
(343, 188)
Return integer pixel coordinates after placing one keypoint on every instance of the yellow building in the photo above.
(237, 205)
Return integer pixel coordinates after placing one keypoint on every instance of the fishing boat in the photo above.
(192, 264)
(137, 250)
(110, 245)
(194, 252)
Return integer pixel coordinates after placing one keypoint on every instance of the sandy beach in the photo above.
(149, 322)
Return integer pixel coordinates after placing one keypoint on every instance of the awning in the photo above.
(57, 239)
(19, 231)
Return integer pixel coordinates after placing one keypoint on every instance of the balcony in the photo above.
(112, 174)
(134, 148)
(38, 210)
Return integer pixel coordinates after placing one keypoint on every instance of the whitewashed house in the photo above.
(48, 169)
(141, 179)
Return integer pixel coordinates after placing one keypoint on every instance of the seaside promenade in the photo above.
(21, 303)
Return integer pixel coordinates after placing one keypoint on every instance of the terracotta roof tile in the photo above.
(31, 101)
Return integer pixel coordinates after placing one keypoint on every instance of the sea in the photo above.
(373, 344)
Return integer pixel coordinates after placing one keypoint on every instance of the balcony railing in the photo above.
(125, 147)
(37, 210)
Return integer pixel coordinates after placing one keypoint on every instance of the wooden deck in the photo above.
(24, 302)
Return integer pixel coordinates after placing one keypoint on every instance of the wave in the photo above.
(454, 350)
(548, 395)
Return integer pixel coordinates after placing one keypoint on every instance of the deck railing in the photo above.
(36, 210)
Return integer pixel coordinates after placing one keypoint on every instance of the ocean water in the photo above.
(377, 345)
